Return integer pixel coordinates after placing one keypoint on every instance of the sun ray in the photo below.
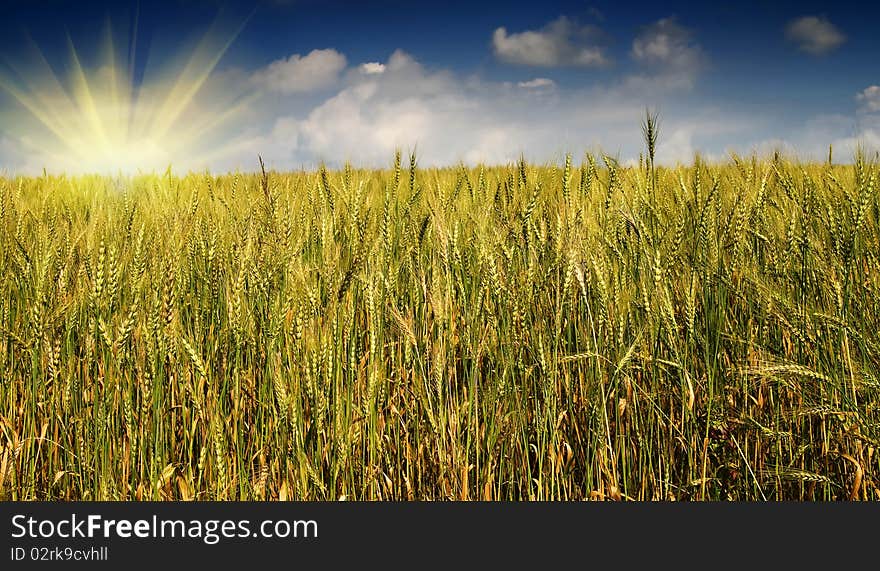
(204, 59)
(197, 130)
(100, 118)
(117, 99)
(82, 94)
(39, 90)
(31, 105)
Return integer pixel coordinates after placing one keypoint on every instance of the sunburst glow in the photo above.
(101, 118)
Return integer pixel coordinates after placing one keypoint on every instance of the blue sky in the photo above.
(486, 81)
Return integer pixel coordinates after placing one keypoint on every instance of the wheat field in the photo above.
(586, 330)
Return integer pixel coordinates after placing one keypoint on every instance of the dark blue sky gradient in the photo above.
(743, 38)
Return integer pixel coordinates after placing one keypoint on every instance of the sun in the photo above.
(102, 118)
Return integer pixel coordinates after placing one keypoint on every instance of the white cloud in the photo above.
(319, 69)
(848, 134)
(869, 98)
(814, 34)
(562, 42)
(451, 118)
(372, 67)
(669, 56)
(537, 83)
(810, 141)
(668, 45)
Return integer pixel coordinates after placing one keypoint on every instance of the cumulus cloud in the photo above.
(449, 118)
(669, 55)
(869, 99)
(814, 35)
(317, 70)
(560, 43)
(846, 134)
(810, 140)
(538, 83)
(668, 44)
(372, 67)
(372, 110)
